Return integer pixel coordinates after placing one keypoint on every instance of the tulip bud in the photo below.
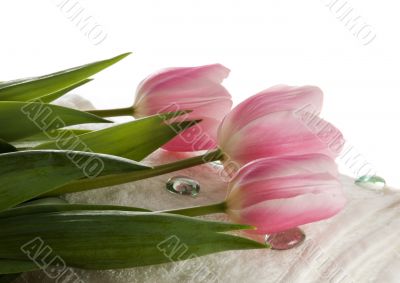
(197, 89)
(271, 123)
(276, 194)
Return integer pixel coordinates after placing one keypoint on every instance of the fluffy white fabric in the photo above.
(361, 244)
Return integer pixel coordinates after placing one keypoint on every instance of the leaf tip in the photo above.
(122, 56)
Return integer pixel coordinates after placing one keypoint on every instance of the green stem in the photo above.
(200, 210)
(128, 111)
(117, 179)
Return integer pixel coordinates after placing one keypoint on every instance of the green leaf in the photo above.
(44, 137)
(47, 200)
(134, 140)
(6, 147)
(51, 97)
(9, 278)
(24, 119)
(28, 174)
(58, 207)
(116, 239)
(15, 266)
(32, 88)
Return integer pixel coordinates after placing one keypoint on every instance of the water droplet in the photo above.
(183, 185)
(285, 240)
(371, 182)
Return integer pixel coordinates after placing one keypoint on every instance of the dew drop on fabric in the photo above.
(285, 240)
(183, 185)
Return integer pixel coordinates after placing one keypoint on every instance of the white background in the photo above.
(263, 43)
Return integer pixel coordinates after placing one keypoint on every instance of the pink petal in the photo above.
(205, 99)
(279, 134)
(281, 214)
(283, 187)
(275, 99)
(284, 166)
(177, 79)
(201, 136)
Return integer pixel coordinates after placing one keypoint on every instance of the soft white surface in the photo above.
(360, 244)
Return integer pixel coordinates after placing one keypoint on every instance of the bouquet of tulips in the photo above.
(277, 154)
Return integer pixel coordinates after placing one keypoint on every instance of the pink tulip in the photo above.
(278, 121)
(196, 88)
(276, 194)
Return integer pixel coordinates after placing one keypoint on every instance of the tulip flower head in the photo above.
(268, 125)
(276, 194)
(197, 89)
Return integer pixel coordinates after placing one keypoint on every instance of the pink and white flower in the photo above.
(276, 194)
(194, 88)
(271, 123)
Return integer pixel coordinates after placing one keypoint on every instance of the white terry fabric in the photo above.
(360, 244)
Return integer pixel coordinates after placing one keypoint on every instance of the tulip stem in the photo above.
(200, 210)
(128, 111)
(117, 179)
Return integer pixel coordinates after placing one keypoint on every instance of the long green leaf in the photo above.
(15, 266)
(44, 201)
(6, 147)
(45, 137)
(134, 140)
(41, 208)
(27, 174)
(32, 88)
(53, 96)
(116, 239)
(24, 119)
(9, 278)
